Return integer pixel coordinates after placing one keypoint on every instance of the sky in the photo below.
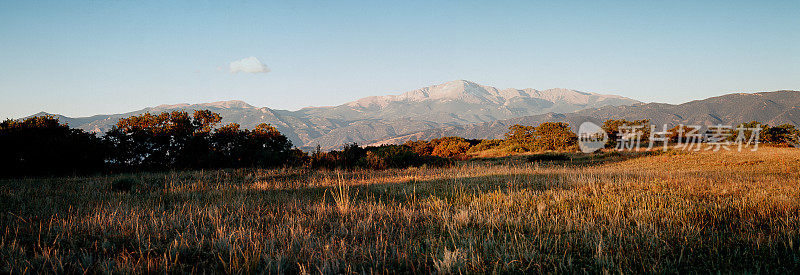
(80, 58)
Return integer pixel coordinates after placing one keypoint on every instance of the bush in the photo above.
(420, 147)
(351, 155)
(380, 157)
(516, 148)
(486, 144)
(450, 147)
(548, 157)
(398, 156)
(322, 159)
(548, 136)
(123, 184)
(781, 134)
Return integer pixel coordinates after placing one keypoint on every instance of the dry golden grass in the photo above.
(634, 212)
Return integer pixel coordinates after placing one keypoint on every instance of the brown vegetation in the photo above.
(425, 206)
(176, 140)
(616, 212)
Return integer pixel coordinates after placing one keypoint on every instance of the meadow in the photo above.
(627, 212)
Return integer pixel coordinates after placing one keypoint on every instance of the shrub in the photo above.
(554, 136)
(421, 147)
(398, 156)
(516, 148)
(449, 147)
(781, 134)
(548, 157)
(351, 155)
(123, 184)
(322, 159)
(486, 144)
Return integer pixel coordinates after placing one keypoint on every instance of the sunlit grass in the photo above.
(662, 212)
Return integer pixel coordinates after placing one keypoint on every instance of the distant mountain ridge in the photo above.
(453, 103)
(464, 102)
(773, 108)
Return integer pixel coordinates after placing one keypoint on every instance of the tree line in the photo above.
(170, 140)
(778, 135)
(177, 140)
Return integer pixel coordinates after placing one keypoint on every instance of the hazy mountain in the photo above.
(454, 103)
(464, 102)
(773, 108)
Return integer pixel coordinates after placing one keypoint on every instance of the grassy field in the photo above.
(629, 212)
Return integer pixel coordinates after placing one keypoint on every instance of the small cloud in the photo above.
(248, 65)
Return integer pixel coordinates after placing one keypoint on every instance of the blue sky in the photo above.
(80, 58)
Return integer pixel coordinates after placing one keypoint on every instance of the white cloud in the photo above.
(248, 65)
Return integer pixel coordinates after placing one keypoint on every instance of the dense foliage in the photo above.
(177, 140)
(42, 146)
(380, 157)
(613, 127)
(781, 134)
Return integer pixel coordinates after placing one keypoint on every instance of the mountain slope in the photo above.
(773, 108)
(453, 103)
(464, 102)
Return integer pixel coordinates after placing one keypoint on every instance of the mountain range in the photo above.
(460, 104)
(467, 109)
(773, 108)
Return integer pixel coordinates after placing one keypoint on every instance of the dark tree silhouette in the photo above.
(42, 146)
(177, 141)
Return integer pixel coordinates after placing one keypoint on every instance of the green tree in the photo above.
(449, 147)
(205, 120)
(421, 147)
(268, 146)
(781, 134)
(519, 138)
(612, 128)
(177, 140)
(554, 136)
